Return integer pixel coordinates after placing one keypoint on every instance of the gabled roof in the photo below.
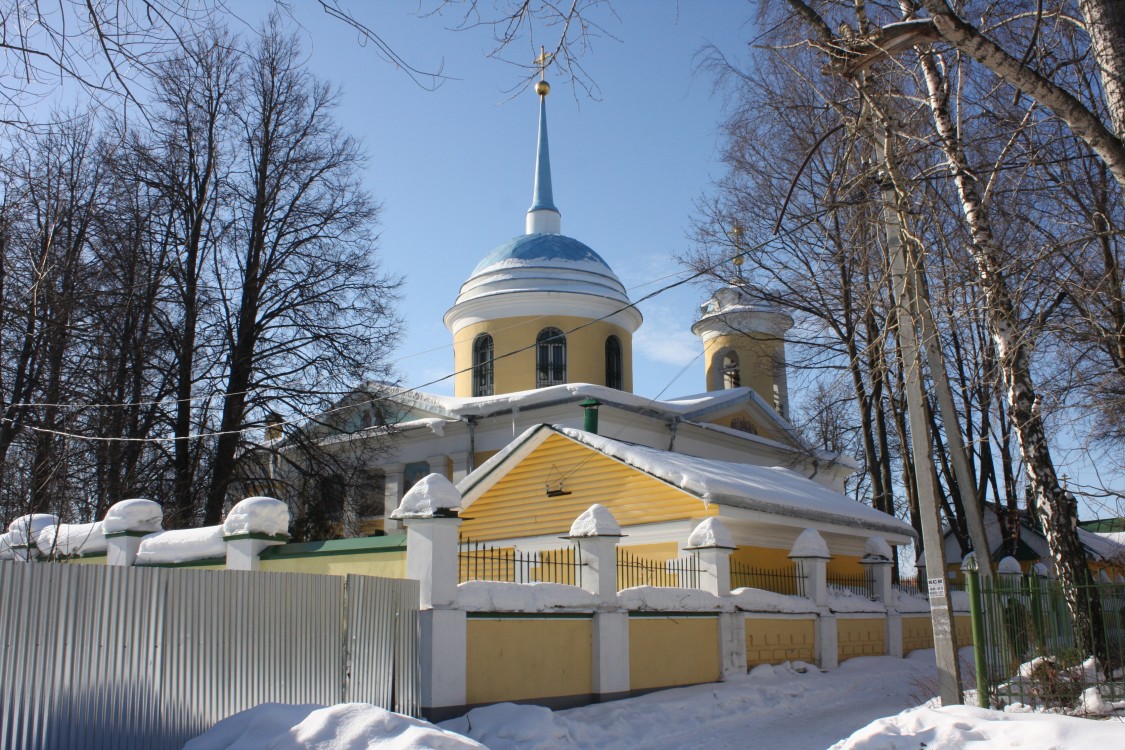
(771, 490)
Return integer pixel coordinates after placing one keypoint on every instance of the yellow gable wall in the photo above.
(585, 352)
(517, 505)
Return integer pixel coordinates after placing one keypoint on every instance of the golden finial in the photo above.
(542, 87)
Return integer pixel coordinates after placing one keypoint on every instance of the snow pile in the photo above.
(347, 726)
(69, 539)
(1094, 703)
(810, 544)
(1041, 570)
(497, 596)
(257, 515)
(658, 599)
(956, 727)
(595, 521)
(507, 725)
(433, 495)
(757, 600)
(907, 603)
(1009, 566)
(182, 545)
(959, 601)
(846, 600)
(711, 532)
(134, 515)
(23, 531)
(876, 548)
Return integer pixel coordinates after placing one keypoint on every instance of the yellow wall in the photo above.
(666, 651)
(772, 641)
(585, 352)
(513, 659)
(860, 637)
(391, 564)
(517, 505)
(847, 565)
(763, 557)
(759, 360)
(917, 632)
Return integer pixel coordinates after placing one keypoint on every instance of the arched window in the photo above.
(731, 376)
(614, 375)
(550, 358)
(482, 365)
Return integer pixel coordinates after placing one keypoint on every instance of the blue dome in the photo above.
(532, 247)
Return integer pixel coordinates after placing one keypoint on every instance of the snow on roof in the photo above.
(72, 539)
(711, 532)
(499, 596)
(257, 515)
(429, 497)
(1104, 546)
(134, 515)
(774, 490)
(595, 521)
(182, 545)
(769, 489)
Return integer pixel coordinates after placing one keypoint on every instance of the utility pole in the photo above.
(906, 305)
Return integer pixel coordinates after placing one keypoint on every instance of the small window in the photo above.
(731, 376)
(550, 360)
(614, 374)
(482, 365)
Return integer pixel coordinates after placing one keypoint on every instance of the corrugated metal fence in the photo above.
(107, 657)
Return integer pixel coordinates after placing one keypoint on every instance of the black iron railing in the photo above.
(634, 570)
(478, 561)
(788, 580)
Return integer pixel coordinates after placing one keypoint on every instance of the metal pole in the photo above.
(976, 613)
(949, 673)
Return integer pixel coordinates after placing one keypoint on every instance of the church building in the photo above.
(543, 421)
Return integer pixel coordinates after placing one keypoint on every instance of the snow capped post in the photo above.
(810, 552)
(251, 526)
(23, 534)
(1010, 572)
(125, 524)
(429, 511)
(596, 532)
(712, 544)
(877, 560)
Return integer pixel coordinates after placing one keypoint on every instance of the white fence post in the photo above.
(811, 553)
(251, 526)
(429, 511)
(877, 560)
(596, 532)
(126, 523)
(713, 545)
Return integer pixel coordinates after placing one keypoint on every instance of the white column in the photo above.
(599, 566)
(431, 559)
(714, 569)
(392, 494)
(460, 463)
(732, 643)
(879, 569)
(611, 654)
(442, 657)
(439, 465)
(810, 552)
(244, 550)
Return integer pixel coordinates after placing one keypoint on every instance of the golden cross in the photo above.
(542, 61)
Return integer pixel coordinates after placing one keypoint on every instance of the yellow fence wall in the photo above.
(514, 658)
(671, 649)
(774, 640)
(860, 637)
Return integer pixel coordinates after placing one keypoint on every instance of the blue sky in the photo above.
(453, 167)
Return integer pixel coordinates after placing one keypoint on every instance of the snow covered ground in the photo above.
(796, 707)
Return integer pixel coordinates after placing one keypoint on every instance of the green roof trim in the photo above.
(1104, 525)
(354, 546)
(259, 536)
(115, 534)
